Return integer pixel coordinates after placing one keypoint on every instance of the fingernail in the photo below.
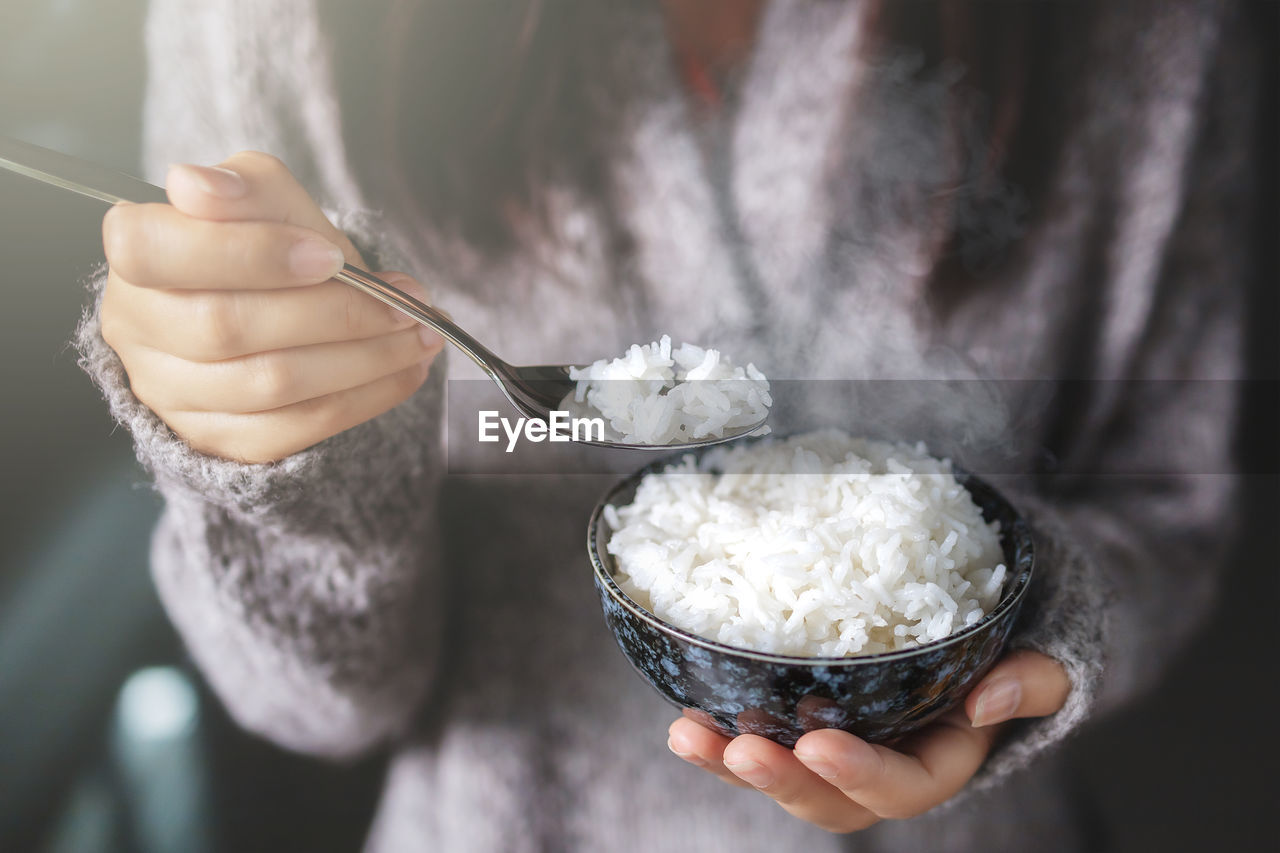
(997, 703)
(216, 181)
(315, 259)
(752, 773)
(430, 339)
(821, 766)
(687, 756)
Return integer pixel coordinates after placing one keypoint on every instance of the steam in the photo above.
(916, 156)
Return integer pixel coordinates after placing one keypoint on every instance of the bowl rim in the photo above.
(1022, 542)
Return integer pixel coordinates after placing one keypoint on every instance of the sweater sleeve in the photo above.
(306, 590)
(1133, 529)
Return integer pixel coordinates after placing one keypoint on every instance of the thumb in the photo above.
(250, 186)
(1023, 684)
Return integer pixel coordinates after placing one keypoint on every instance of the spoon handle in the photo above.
(76, 175)
(97, 181)
(423, 313)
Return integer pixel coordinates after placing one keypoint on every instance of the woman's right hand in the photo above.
(222, 309)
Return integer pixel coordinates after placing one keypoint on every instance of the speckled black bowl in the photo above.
(877, 697)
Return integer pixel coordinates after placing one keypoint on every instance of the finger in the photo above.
(270, 436)
(776, 771)
(702, 748)
(213, 325)
(156, 245)
(270, 380)
(250, 185)
(1023, 684)
(928, 768)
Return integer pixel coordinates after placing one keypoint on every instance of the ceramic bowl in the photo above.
(878, 697)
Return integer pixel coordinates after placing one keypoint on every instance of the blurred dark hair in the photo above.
(485, 102)
(483, 108)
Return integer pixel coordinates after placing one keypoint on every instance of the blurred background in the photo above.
(109, 741)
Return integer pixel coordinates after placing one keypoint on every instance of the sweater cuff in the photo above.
(1065, 618)
(303, 481)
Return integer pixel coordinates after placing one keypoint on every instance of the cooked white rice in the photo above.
(657, 395)
(819, 545)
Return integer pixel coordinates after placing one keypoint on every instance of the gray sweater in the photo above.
(371, 592)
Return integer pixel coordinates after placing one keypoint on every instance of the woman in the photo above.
(834, 190)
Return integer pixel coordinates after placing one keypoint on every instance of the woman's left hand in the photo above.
(841, 783)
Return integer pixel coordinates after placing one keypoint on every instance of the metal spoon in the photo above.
(536, 391)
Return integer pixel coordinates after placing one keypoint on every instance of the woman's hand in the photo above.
(222, 309)
(842, 784)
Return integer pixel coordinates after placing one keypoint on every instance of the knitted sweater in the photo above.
(372, 592)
